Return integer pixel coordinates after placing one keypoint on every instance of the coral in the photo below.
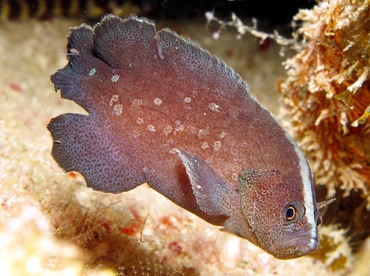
(361, 263)
(335, 250)
(327, 94)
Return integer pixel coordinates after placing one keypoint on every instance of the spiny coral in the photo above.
(327, 94)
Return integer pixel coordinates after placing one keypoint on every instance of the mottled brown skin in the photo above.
(165, 112)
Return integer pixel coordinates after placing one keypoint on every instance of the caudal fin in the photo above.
(81, 144)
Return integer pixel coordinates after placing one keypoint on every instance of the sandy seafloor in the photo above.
(51, 224)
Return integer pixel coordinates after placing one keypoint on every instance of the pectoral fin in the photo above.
(211, 192)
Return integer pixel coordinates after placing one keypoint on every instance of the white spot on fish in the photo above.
(118, 109)
(222, 135)
(202, 133)
(167, 129)
(137, 102)
(199, 187)
(179, 127)
(214, 107)
(136, 134)
(73, 52)
(151, 128)
(159, 46)
(92, 72)
(160, 52)
(113, 100)
(205, 145)
(115, 78)
(234, 176)
(140, 120)
(145, 169)
(157, 101)
(217, 145)
(187, 100)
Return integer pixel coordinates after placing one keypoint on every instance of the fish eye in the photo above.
(293, 211)
(290, 213)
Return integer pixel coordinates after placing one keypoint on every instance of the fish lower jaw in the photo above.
(298, 246)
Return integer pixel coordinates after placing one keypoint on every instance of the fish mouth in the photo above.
(303, 241)
(299, 245)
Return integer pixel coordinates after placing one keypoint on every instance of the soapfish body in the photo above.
(163, 111)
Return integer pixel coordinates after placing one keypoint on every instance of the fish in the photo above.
(163, 111)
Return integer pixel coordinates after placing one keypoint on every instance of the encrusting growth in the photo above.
(327, 94)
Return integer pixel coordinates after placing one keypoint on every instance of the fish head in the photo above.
(281, 217)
